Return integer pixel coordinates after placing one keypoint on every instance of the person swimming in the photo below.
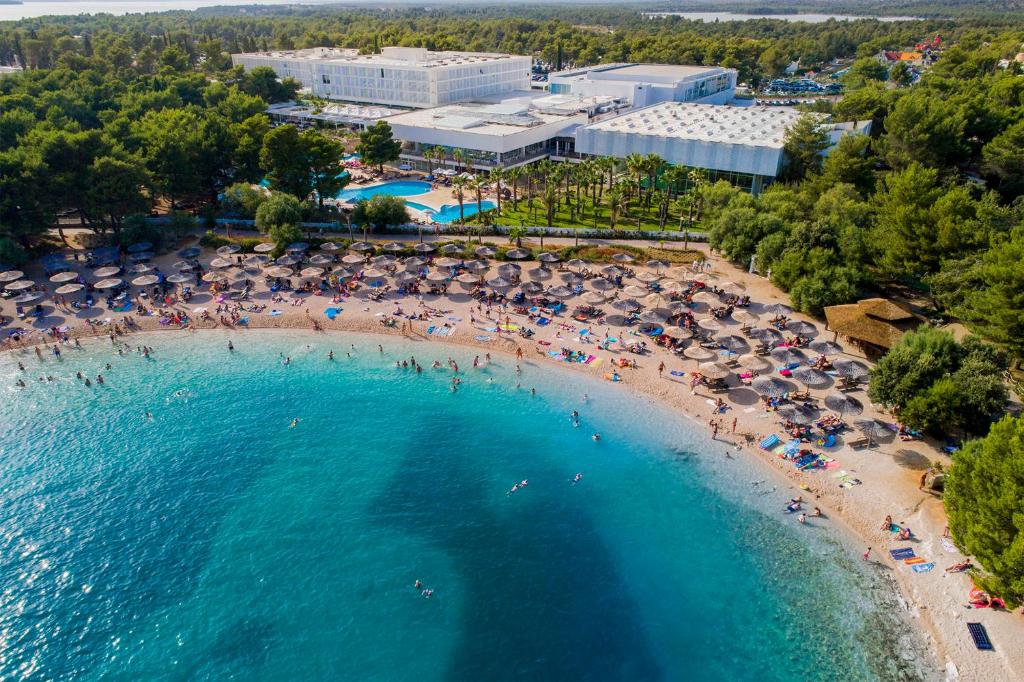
(295, 422)
(596, 437)
(330, 355)
(418, 585)
(577, 478)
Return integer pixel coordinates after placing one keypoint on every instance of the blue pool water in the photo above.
(215, 542)
(397, 188)
(449, 213)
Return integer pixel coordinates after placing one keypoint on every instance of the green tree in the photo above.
(242, 199)
(278, 210)
(323, 158)
(115, 190)
(1004, 160)
(926, 129)
(286, 165)
(900, 74)
(381, 212)
(920, 359)
(992, 298)
(851, 161)
(863, 71)
(984, 500)
(378, 146)
(805, 141)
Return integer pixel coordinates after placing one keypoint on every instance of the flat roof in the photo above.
(505, 118)
(642, 71)
(334, 112)
(389, 56)
(751, 126)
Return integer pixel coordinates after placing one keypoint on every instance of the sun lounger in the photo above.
(858, 443)
(770, 442)
(980, 636)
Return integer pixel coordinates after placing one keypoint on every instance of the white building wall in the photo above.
(467, 139)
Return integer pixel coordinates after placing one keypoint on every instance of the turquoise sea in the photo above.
(215, 542)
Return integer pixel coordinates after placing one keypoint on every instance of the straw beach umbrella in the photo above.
(484, 251)
(509, 270)
(451, 249)
(20, 285)
(279, 271)
(826, 347)
(108, 271)
(320, 259)
(601, 284)
(499, 283)
(699, 354)
(874, 430)
(287, 260)
(264, 247)
(772, 387)
(799, 414)
(802, 328)
(352, 258)
(653, 316)
(532, 288)
(66, 289)
(811, 377)
(107, 283)
(753, 362)
(745, 317)
(361, 247)
(215, 277)
(424, 248)
(561, 292)
(179, 278)
(788, 355)
(447, 262)
(625, 304)
(843, 404)
(145, 280)
(622, 258)
(28, 297)
(711, 324)
(634, 291)
(592, 298)
(850, 369)
(192, 252)
(549, 257)
(616, 320)
(611, 271)
(228, 249)
(220, 263)
(329, 247)
(477, 265)
(64, 277)
(715, 370)
(778, 309)
(577, 263)
(647, 277)
(311, 272)
(657, 264)
(515, 254)
(11, 275)
(390, 246)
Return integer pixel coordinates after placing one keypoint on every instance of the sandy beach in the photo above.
(889, 473)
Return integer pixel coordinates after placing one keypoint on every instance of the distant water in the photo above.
(809, 18)
(37, 8)
(215, 542)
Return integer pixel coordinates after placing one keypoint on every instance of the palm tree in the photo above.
(672, 176)
(428, 156)
(516, 234)
(653, 164)
(477, 184)
(606, 165)
(459, 159)
(497, 176)
(459, 188)
(615, 193)
(636, 164)
(512, 175)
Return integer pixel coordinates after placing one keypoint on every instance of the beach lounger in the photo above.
(980, 636)
(770, 442)
(858, 443)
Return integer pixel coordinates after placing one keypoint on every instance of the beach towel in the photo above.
(923, 568)
(902, 553)
(331, 313)
(482, 338)
(544, 343)
(770, 442)
(593, 360)
(543, 321)
(913, 560)
(275, 313)
(980, 636)
(244, 321)
(677, 373)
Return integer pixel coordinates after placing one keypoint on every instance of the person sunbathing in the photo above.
(960, 567)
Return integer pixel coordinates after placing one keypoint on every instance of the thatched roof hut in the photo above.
(875, 323)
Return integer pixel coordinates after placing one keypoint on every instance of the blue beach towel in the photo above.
(902, 553)
(331, 313)
(677, 373)
(482, 338)
(922, 568)
(275, 313)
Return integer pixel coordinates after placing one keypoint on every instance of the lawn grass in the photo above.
(627, 219)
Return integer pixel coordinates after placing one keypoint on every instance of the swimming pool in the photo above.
(398, 188)
(449, 213)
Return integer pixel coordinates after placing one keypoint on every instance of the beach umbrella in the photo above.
(179, 278)
(297, 246)
(406, 277)
(193, 251)
(561, 292)
(256, 260)
(145, 280)
(321, 259)
(753, 362)
(765, 334)
(107, 283)
(228, 249)
(657, 264)
(680, 272)
(843, 404)
(447, 262)
(219, 263)
(801, 327)
(342, 272)
(647, 277)
(601, 284)
(812, 377)
(734, 287)
(715, 370)
(655, 300)
(11, 275)
(799, 414)
(616, 320)
(733, 343)
(705, 296)
(352, 258)
(771, 387)
(214, 277)
(778, 309)
(484, 251)
(850, 369)
(424, 248)
(509, 270)
(20, 285)
(634, 291)
(182, 265)
(788, 355)
(711, 324)
(373, 273)
(28, 297)
(265, 247)
(611, 271)
(826, 347)
(577, 263)
(673, 287)
(287, 260)
(516, 254)
(384, 260)
(683, 333)
(499, 282)
(539, 273)
(361, 246)
(549, 257)
(437, 276)
(138, 269)
(331, 247)
(140, 247)
(468, 278)
(108, 271)
(451, 249)
(698, 353)
(571, 279)
(66, 289)
(874, 429)
(532, 288)
(745, 317)
(626, 304)
(622, 258)
(279, 271)
(311, 272)
(677, 307)
(390, 246)
(593, 298)
(477, 265)
(64, 277)
(653, 316)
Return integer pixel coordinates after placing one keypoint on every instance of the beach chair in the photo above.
(858, 443)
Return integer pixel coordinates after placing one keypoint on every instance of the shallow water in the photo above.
(215, 542)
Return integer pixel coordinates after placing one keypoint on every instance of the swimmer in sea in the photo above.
(596, 436)
(295, 422)
(231, 346)
(577, 478)
(148, 416)
(288, 360)
(427, 593)
(575, 418)
(99, 378)
(330, 355)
